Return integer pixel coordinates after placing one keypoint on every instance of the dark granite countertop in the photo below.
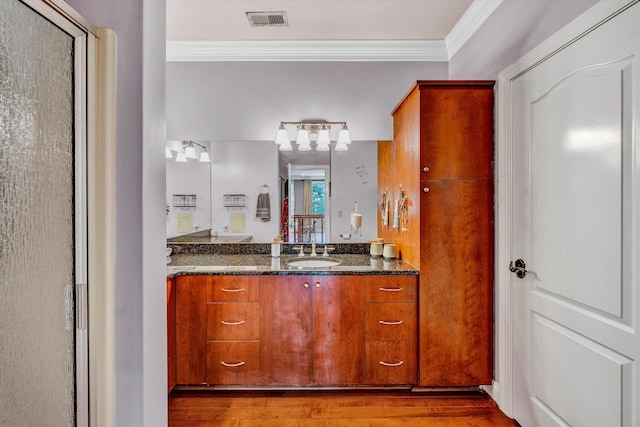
(263, 264)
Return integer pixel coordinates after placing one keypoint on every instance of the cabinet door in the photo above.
(456, 131)
(338, 329)
(456, 283)
(191, 330)
(285, 330)
(171, 334)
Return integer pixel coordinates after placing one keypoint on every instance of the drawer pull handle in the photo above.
(391, 364)
(306, 284)
(391, 289)
(232, 290)
(391, 322)
(232, 365)
(233, 322)
(317, 284)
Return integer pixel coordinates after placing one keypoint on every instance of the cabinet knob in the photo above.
(425, 169)
(425, 190)
(306, 284)
(317, 284)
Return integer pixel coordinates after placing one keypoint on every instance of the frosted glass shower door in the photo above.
(42, 220)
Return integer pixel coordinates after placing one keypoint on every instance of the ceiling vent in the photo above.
(268, 19)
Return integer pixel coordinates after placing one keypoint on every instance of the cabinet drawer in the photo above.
(391, 362)
(232, 322)
(392, 288)
(392, 322)
(232, 362)
(233, 289)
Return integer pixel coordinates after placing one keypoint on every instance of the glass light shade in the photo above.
(304, 147)
(282, 136)
(285, 146)
(303, 137)
(204, 157)
(343, 136)
(322, 147)
(190, 152)
(180, 157)
(167, 153)
(323, 137)
(341, 146)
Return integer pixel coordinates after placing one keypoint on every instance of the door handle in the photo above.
(518, 267)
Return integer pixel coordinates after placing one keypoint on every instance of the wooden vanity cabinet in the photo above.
(391, 330)
(295, 330)
(217, 329)
(443, 158)
(232, 330)
(171, 334)
(312, 330)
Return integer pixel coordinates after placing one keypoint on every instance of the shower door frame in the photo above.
(84, 112)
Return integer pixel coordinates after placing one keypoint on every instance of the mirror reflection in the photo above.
(252, 192)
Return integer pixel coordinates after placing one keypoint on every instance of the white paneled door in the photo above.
(576, 227)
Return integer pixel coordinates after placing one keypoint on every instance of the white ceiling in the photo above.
(427, 30)
(225, 20)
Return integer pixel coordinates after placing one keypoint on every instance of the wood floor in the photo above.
(334, 409)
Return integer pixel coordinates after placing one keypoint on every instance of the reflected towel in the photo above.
(263, 209)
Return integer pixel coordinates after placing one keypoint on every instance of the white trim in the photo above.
(295, 50)
(102, 241)
(503, 245)
(154, 278)
(469, 23)
(585, 23)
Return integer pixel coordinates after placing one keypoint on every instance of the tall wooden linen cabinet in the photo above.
(442, 159)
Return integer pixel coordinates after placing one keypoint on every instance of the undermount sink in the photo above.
(313, 263)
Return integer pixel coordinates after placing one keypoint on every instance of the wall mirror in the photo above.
(335, 182)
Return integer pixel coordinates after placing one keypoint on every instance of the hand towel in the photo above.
(263, 209)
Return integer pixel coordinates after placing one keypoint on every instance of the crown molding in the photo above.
(338, 50)
(295, 50)
(469, 23)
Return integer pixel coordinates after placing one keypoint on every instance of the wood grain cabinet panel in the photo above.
(311, 330)
(391, 288)
(232, 322)
(191, 330)
(286, 324)
(392, 321)
(443, 132)
(456, 299)
(391, 362)
(338, 320)
(233, 289)
(233, 363)
(171, 334)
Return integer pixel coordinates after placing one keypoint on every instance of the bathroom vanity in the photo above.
(345, 326)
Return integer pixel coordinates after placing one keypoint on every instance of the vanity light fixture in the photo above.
(319, 129)
(189, 152)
